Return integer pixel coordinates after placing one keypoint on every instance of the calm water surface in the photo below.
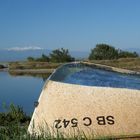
(20, 90)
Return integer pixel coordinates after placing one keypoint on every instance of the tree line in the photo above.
(107, 52)
(56, 56)
(100, 52)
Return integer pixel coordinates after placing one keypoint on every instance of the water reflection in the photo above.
(21, 89)
(44, 76)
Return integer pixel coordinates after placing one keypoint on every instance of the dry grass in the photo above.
(125, 63)
(32, 65)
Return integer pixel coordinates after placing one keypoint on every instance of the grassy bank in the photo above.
(125, 63)
(31, 72)
(38, 69)
(43, 69)
(32, 65)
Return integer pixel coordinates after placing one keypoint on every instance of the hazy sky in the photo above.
(73, 24)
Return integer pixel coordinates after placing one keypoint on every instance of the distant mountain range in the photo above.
(134, 50)
(19, 54)
(16, 54)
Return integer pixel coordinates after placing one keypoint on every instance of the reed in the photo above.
(14, 124)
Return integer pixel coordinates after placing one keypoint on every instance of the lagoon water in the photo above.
(20, 90)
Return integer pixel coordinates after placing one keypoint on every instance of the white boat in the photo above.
(94, 111)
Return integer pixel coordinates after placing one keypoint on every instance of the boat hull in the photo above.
(97, 111)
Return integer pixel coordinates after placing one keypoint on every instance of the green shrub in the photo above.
(103, 52)
(107, 52)
(57, 56)
(61, 55)
(13, 114)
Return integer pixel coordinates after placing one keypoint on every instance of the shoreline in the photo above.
(31, 71)
(110, 68)
(4, 69)
(49, 71)
(48, 68)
